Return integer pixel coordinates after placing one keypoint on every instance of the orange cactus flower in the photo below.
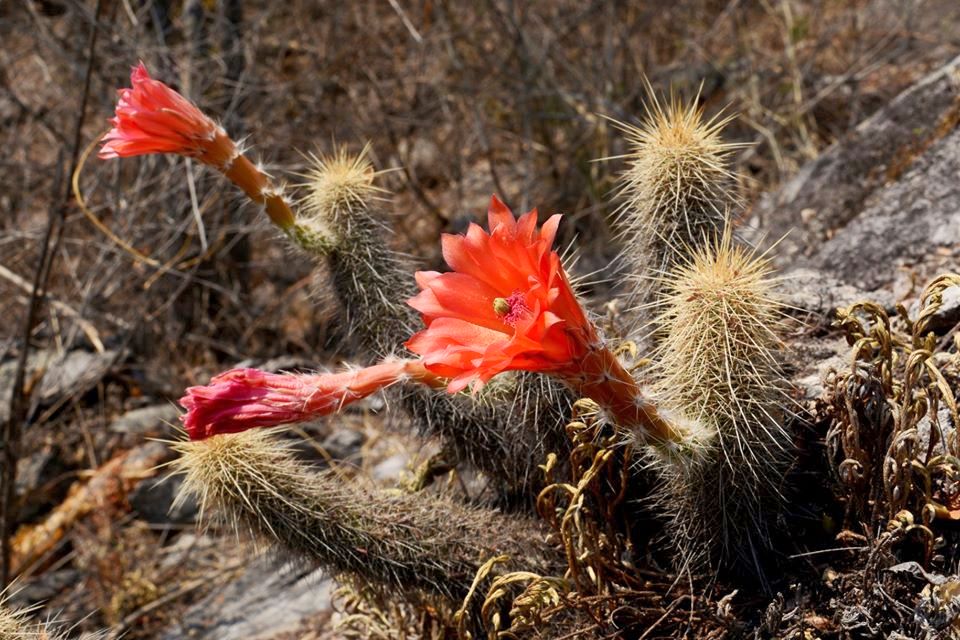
(153, 118)
(242, 399)
(507, 304)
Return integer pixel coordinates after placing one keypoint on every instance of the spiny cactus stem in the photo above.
(260, 188)
(312, 240)
(603, 379)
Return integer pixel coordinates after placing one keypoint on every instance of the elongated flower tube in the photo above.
(242, 399)
(508, 305)
(153, 118)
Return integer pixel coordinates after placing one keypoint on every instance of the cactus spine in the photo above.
(15, 625)
(414, 543)
(720, 363)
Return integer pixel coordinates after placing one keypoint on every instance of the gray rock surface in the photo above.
(813, 292)
(902, 224)
(154, 501)
(147, 421)
(269, 599)
(61, 375)
(887, 187)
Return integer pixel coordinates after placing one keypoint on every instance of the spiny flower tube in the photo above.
(242, 399)
(508, 305)
(153, 118)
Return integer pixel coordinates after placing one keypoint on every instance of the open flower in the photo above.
(242, 399)
(153, 118)
(507, 304)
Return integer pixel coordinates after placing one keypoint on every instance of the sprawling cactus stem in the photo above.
(676, 190)
(411, 543)
(719, 363)
(517, 421)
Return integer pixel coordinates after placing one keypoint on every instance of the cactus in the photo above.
(677, 190)
(716, 347)
(508, 429)
(415, 544)
(719, 362)
(370, 279)
(15, 625)
(711, 422)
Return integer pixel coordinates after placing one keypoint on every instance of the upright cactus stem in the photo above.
(342, 221)
(677, 189)
(408, 543)
(719, 362)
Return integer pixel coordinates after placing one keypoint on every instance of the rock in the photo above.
(74, 372)
(42, 587)
(813, 292)
(343, 443)
(153, 499)
(904, 223)
(389, 470)
(32, 470)
(944, 432)
(890, 148)
(37, 485)
(152, 420)
(817, 357)
(268, 599)
(61, 375)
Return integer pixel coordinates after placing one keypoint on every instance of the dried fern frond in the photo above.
(895, 416)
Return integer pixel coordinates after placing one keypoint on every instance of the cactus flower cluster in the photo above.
(507, 304)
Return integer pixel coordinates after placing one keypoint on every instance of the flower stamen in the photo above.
(511, 309)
